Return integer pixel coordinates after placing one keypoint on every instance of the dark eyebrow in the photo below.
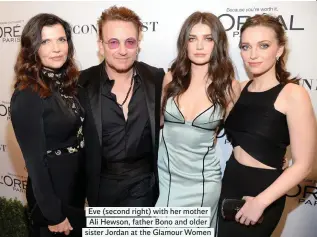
(203, 35)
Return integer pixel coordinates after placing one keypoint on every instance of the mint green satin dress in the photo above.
(189, 169)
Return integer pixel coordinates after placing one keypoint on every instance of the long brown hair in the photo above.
(28, 65)
(220, 68)
(282, 75)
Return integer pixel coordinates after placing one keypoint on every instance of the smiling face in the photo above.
(119, 44)
(200, 44)
(53, 50)
(260, 49)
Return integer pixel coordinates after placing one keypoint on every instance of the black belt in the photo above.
(127, 168)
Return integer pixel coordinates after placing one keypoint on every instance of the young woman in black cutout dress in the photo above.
(271, 113)
(47, 121)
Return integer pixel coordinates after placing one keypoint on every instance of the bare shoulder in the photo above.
(296, 100)
(233, 97)
(243, 84)
(236, 90)
(236, 86)
(295, 93)
(167, 78)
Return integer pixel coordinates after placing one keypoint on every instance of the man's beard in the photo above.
(125, 70)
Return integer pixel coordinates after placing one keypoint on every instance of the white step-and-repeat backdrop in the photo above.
(162, 21)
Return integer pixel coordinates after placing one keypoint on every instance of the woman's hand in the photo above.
(251, 212)
(64, 226)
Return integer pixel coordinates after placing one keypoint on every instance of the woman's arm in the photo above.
(167, 79)
(302, 127)
(303, 138)
(27, 120)
(233, 96)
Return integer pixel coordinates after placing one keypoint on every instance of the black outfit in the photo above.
(121, 155)
(258, 128)
(49, 132)
(124, 140)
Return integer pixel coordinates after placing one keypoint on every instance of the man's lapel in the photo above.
(94, 94)
(147, 78)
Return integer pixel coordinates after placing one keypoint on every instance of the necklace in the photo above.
(128, 93)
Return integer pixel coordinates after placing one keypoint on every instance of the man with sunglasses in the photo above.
(121, 97)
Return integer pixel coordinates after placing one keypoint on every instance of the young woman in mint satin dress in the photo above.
(197, 92)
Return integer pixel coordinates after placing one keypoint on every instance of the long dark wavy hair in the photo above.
(282, 75)
(28, 65)
(220, 68)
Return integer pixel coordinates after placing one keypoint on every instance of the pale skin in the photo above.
(259, 51)
(54, 47)
(53, 54)
(119, 61)
(195, 100)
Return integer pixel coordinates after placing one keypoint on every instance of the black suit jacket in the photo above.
(90, 98)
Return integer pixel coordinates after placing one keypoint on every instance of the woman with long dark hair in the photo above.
(197, 91)
(47, 121)
(271, 113)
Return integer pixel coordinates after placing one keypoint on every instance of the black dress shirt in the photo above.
(126, 145)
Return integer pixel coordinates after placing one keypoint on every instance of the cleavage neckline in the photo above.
(191, 121)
